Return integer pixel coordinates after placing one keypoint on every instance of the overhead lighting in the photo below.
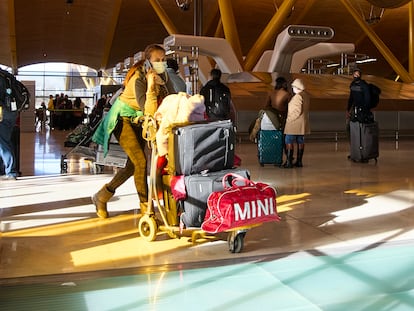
(368, 60)
(332, 65)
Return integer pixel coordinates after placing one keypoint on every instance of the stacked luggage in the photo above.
(200, 153)
(201, 160)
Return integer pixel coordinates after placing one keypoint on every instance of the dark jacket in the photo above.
(359, 101)
(217, 98)
(359, 95)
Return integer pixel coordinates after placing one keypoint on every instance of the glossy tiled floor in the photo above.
(345, 241)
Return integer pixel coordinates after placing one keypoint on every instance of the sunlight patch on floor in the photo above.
(375, 206)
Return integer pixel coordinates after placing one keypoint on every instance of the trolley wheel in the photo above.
(236, 240)
(63, 167)
(98, 168)
(147, 228)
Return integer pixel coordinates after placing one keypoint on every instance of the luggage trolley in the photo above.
(166, 219)
(82, 137)
(116, 157)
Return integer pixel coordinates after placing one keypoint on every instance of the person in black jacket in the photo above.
(217, 98)
(358, 108)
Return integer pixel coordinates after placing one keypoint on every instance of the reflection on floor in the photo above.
(344, 242)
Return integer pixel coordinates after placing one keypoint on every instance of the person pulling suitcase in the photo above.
(362, 129)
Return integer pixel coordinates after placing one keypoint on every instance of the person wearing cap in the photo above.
(297, 124)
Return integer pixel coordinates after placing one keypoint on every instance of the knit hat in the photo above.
(298, 84)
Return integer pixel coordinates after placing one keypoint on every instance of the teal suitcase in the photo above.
(270, 147)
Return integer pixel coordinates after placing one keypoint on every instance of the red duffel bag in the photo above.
(243, 203)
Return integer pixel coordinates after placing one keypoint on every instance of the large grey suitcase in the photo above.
(364, 141)
(199, 187)
(200, 147)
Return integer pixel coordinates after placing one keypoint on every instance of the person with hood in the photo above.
(297, 124)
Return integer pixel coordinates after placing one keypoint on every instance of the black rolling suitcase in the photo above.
(198, 188)
(200, 147)
(364, 141)
(270, 147)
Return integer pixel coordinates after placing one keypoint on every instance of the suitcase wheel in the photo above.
(235, 240)
(96, 168)
(63, 165)
(147, 228)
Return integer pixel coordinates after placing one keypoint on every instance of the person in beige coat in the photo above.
(297, 124)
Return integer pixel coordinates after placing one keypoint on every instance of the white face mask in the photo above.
(159, 67)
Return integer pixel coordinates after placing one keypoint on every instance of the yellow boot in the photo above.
(143, 207)
(100, 199)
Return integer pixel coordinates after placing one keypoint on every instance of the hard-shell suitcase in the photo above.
(199, 187)
(364, 141)
(270, 147)
(199, 147)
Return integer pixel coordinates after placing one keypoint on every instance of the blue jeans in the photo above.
(291, 139)
(6, 147)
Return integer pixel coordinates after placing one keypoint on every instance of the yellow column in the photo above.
(229, 26)
(165, 20)
(382, 48)
(411, 38)
(268, 33)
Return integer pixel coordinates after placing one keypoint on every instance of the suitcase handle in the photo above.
(236, 181)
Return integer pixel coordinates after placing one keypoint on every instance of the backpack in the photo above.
(375, 92)
(217, 100)
(13, 90)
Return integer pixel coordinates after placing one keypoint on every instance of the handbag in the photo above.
(241, 204)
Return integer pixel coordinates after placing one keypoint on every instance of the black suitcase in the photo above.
(364, 141)
(270, 147)
(201, 147)
(198, 189)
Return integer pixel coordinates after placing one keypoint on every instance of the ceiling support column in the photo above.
(272, 28)
(382, 48)
(165, 20)
(411, 38)
(229, 26)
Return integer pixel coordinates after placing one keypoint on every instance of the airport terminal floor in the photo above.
(344, 242)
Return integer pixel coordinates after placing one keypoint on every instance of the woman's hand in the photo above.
(151, 76)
